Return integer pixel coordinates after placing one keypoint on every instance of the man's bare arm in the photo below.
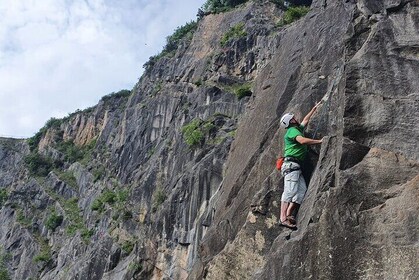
(307, 141)
(308, 116)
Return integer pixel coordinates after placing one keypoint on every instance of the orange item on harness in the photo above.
(279, 163)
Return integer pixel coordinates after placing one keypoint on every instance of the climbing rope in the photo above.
(327, 99)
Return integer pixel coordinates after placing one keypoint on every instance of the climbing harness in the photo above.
(289, 170)
(327, 99)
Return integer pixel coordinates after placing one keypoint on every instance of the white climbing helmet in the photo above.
(285, 120)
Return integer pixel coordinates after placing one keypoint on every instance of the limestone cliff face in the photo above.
(115, 191)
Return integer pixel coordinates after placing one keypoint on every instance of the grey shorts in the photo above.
(294, 184)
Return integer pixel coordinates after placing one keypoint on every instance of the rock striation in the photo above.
(176, 179)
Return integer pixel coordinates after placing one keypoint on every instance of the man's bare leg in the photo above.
(290, 210)
(283, 216)
(284, 208)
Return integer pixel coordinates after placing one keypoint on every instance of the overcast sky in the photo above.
(57, 56)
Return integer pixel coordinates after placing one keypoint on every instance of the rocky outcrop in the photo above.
(176, 180)
(345, 229)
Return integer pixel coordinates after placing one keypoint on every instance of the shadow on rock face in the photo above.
(301, 2)
(352, 153)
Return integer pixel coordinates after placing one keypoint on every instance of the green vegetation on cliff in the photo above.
(292, 14)
(3, 197)
(38, 164)
(192, 133)
(4, 257)
(243, 91)
(116, 95)
(196, 131)
(54, 220)
(75, 219)
(159, 197)
(184, 32)
(219, 6)
(235, 32)
(128, 246)
(72, 152)
(44, 254)
(116, 197)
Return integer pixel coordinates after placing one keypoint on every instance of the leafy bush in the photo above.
(195, 132)
(109, 197)
(198, 82)
(54, 220)
(45, 251)
(68, 177)
(22, 219)
(43, 256)
(72, 153)
(235, 32)
(207, 127)
(192, 133)
(98, 173)
(4, 273)
(3, 197)
(152, 61)
(135, 267)
(292, 14)
(72, 212)
(87, 151)
(243, 90)
(219, 6)
(87, 233)
(157, 88)
(159, 197)
(33, 142)
(172, 43)
(38, 164)
(116, 95)
(53, 123)
(128, 246)
(97, 205)
(122, 195)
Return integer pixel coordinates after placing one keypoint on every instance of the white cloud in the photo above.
(57, 56)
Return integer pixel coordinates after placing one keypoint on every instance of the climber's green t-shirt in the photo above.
(292, 147)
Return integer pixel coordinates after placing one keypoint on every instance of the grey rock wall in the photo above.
(350, 224)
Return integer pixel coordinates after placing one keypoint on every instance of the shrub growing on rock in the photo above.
(54, 220)
(172, 43)
(3, 197)
(219, 6)
(44, 254)
(116, 95)
(159, 197)
(128, 246)
(38, 164)
(243, 90)
(192, 133)
(235, 32)
(4, 273)
(292, 14)
(97, 205)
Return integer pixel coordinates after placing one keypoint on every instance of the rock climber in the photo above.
(295, 151)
